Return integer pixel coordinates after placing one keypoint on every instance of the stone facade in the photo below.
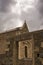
(21, 47)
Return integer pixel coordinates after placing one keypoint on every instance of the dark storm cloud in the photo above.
(33, 16)
(40, 7)
(4, 5)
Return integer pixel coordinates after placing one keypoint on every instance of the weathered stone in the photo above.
(13, 43)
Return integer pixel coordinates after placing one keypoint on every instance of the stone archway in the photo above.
(22, 45)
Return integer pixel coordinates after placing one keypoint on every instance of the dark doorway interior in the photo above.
(26, 51)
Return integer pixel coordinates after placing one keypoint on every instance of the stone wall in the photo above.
(13, 52)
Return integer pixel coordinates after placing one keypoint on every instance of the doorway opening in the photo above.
(25, 51)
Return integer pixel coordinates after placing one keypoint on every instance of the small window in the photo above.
(26, 51)
(8, 45)
(37, 55)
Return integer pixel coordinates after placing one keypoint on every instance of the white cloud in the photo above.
(22, 5)
(41, 27)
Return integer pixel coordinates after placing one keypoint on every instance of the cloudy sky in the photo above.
(13, 13)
